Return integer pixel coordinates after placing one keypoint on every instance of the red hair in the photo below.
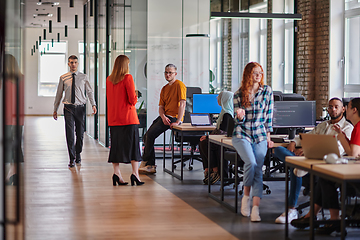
(247, 82)
(121, 68)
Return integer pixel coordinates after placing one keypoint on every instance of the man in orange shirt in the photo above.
(171, 110)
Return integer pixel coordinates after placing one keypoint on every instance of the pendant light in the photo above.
(206, 35)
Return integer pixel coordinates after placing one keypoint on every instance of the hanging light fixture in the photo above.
(76, 21)
(52, 42)
(71, 3)
(58, 37)
(50, 26)
(66, 30)
(39, 40)
(206, 35)
(91, 8)
(44, 34)
(37, 45)
(59, 14)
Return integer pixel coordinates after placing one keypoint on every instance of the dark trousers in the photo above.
(215, 155)
(74, 120)
(156, 128)
(326, 194)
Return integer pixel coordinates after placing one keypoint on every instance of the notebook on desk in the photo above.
(316, 146)
(200, 119)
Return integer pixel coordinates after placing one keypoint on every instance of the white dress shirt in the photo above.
(82, 84)
(327, 128)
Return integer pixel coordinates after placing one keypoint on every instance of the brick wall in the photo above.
(227, 55)
(312, 55)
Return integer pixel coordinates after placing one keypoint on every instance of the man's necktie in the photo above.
(73, 89)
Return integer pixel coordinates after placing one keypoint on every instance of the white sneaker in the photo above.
(255, 216)
(299, 172)
(150, 169)
(292, 214)
(245, 206)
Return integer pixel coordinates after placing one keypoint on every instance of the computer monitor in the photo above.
(294, 114)
(206, 103)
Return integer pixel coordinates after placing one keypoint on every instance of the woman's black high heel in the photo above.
(133, 179)
(116, 179)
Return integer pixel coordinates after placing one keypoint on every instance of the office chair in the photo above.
(192, 138)
(277, 95)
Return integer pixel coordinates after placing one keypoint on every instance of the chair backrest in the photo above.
(189, 101)
(277, 95)
(292, 97)
(230, 127)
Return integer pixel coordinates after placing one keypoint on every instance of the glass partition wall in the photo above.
(11, 120)
(120, 28)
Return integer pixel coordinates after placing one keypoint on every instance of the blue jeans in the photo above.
(295, 182)
(253, 155)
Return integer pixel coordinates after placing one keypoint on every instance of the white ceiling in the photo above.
(67, 14)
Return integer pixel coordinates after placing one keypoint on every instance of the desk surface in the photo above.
(350, 171)
(216, 138)
(303, 161)
(188, 127)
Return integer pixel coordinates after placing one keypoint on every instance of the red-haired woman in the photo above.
(123, 121)
(253, 108)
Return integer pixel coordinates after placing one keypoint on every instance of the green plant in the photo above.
(141, 105)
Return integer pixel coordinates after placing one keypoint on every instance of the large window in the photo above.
(352, 49)
(52, 64)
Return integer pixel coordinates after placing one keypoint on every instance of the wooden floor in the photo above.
(81, 203)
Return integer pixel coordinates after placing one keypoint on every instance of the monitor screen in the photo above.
(294, 114)
(206, 103)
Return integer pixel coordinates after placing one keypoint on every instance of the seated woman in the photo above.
(326, 195)
(225, 100)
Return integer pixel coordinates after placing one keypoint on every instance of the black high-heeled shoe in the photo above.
(116, 179)
(133, 179)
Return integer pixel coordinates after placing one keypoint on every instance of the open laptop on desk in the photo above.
(200, 119)
(316, 146)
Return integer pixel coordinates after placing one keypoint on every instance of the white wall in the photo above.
(336, 51)
(33, 103)
(278, 44)
(165, 45)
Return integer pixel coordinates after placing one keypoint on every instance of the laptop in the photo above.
(200, 119)
(316, 146)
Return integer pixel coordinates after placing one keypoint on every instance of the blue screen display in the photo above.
(206, 103)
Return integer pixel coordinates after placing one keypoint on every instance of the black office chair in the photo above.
(193, 138)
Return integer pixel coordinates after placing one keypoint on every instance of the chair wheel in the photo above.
(240, 192)
(300, 212)
(268, 191)
(174, 166)
(191, 168)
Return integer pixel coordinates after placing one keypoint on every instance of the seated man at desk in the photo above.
(171, 111)
(326, 194)
(225, 100)
(336, 110)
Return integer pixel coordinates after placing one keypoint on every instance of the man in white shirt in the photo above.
(336, 111)
(74, 84)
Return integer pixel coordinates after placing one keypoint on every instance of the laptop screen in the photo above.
(200, 119)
